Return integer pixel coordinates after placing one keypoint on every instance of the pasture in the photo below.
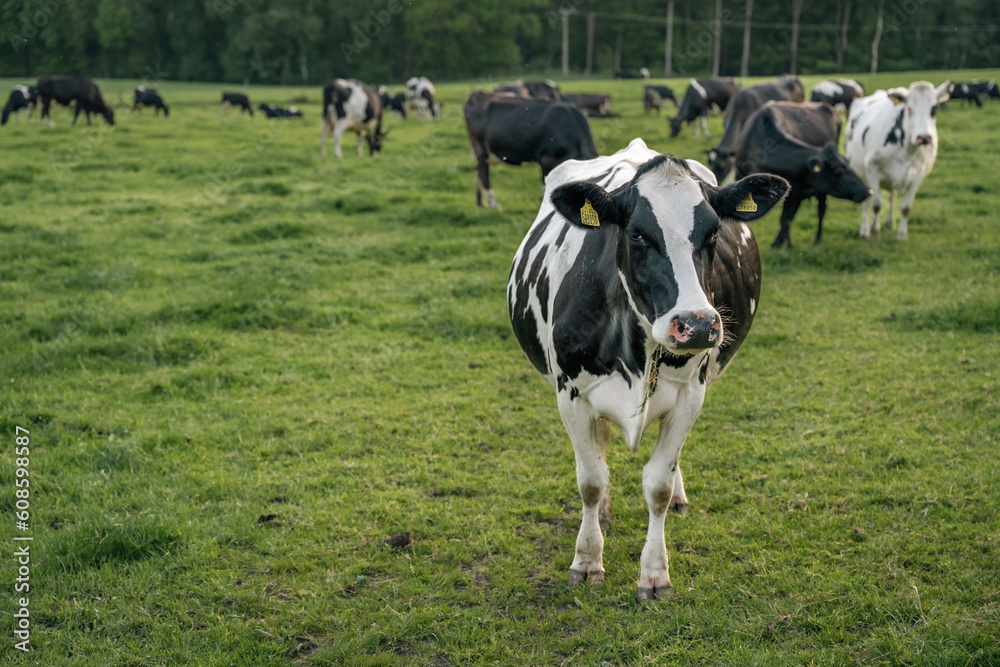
(244, 367)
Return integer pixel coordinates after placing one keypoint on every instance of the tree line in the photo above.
(308, 42)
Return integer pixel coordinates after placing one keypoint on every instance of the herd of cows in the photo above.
(639, 279)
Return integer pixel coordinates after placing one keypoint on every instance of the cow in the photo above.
(742, 106)
(420, 97)
(628, 74)
(22, 97)
(537, 90)
(969, 92)
(841, 92)
(351, 105)
(66, 89)
(235, 99)
(517, 130)
(272, 111)
(391, 102)
(617, 296)
(702, 96)
(590, 104)
(892, 142)
(148, 97)
(653, 96)
(799, 143)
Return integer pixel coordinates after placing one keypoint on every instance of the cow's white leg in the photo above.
(361, 150)
(891, 199)
(338, 133)
(697, 130)
(905, 204)
(704, 127)
(874, 203)
(679, 499)
(658, 480)
(592, 481)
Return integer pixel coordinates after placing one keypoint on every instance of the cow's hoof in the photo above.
(645, 595)
(678, 506)
(577, 577)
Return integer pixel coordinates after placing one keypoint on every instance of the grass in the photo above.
(244, 367)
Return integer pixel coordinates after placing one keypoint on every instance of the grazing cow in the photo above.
(22, 97)
(969, 92)
(989, 89)
(702, 96)
(799, 143)
(537, 90)
(617, 297)
(351, 105)
(420, 97)
(517, 130)
(627, 74)
(590, 104)
(840, 92)
(66, 89)
(395, 102)
(742, 106)
(272, 111)
(653, 96)
(148, 97)
(235, 99)
(892, 142)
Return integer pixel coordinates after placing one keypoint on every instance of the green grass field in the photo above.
(244, 367)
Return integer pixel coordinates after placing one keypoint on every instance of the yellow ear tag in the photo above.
(588, 215)
(748, 205)
(816, 168)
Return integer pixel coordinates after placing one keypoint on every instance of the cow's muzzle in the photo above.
(694, 331)
(923, 139)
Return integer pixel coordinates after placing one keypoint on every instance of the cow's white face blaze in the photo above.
(919, 104)
(667, 221)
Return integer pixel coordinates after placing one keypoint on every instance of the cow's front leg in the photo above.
(873, 204)
(905, 204)
(338, 134)
(704, 127)
(659, 479)
(592, 480)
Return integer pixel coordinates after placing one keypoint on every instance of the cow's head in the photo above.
(721, 161)
(108, 113)
(375, 139)
(919, 104)
(675, 125)
(829, 172)
(667, 223)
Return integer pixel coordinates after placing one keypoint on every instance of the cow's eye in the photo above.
(712, 239)
(636, 236)
(933, 111)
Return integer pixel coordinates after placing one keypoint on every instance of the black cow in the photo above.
(590, 104)
(518, 130)
(350, 105)
(235, 99)
(66, 89)
(841, 91)
(147, 97)
(653, 96)
(799, 143)
(22, 97)
(395, 102)
(971, 92)
(702, 96)
(272, 111)
(617, 296)
(742, 106)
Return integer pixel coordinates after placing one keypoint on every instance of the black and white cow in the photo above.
(237, 100)
(516, 130)
(628, 74)
(617, 297)
(743, 105)
(703, 96)
(841, 92)
(349, 105)
(22, 97)
(892, 142)
(272, 111)
(67, 89)
(536, 90)
(591, 104)
(148, 97)
(799, 143)
(392, 102)
(971, 93)
(420, 97)
(653, 96)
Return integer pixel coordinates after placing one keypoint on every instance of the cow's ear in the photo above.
(898, 95)
(587, 205)
(943, 92)
(814, 164)
(750, 198)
